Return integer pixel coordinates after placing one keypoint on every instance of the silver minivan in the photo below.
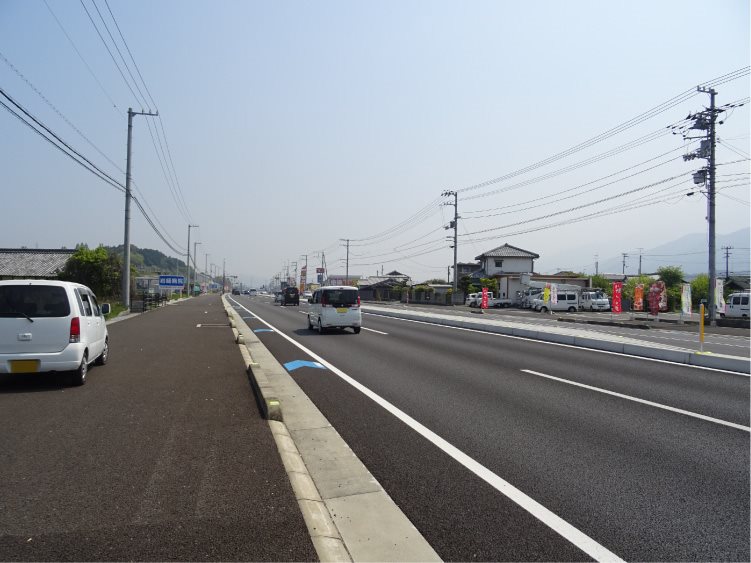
(335, 306)
(51, 326)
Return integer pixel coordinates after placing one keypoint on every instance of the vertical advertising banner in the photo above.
(303, 278)
(719, 297)
(546, 293)
(686, 299)
(553, 293)
(639, 297)
(617, 305)
(484, 303)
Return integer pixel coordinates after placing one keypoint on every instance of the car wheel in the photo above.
(572, 309)
(543, 309)
(78, 377)
(591, 309)
(356, 329)
(320, 327)
(310, 325)
(102, 359)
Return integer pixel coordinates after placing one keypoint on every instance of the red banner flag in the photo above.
(484, 304)
(617, 306)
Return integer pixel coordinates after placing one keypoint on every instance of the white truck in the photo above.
(594, 300)
(475, 300)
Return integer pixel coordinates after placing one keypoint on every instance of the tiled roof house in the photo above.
(16, 263)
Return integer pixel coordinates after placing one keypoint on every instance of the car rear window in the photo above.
(291, 291)
(33, 301)
(340, 297)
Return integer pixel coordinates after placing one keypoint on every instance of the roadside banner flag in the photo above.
(639, 297)
(553, 293)
(719, 297)
(617, 305)
(484, 303)
(546, 293)
(686, 299)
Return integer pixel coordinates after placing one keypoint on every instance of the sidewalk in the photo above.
(162, 455)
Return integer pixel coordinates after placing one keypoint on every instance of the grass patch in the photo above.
(115, 310)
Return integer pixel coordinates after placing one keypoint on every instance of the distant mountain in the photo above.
(150, 261)
(690, 252)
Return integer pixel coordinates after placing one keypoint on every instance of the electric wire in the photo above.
(80, 56)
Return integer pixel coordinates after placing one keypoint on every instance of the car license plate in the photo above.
(342, 309)
(24, 366)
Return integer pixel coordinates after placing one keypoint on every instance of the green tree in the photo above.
(436, 281)
(603, 283)
(630, 285)
(98, 269)
(490, 283)
(671, 275)
(699, 289)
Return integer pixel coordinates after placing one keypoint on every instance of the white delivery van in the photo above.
(475, 299)
(594, 300)
(567, 301)
(736, 306)
(51, 326)
(335, 306)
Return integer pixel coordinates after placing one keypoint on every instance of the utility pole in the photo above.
(187, 260)
(128, 197)
(346, 270)
(455, 225)
(625, 255)
(640, 252)
(224, 274)
(448, 274)
(597, 265)
(707, 121)
(206, 269)
(195, 266)
(727, 250)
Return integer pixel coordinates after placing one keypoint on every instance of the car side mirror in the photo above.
(106, 309)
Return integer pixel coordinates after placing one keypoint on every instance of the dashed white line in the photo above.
(374, 330)
(642, 401)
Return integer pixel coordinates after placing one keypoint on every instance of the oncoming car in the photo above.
(336, 306)
(290, 296)
(51, 326)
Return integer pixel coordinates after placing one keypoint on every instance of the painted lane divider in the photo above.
(293, 365)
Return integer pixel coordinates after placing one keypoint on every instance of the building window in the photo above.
(499, 263)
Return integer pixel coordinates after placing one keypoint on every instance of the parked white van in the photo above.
(567, 301)
(736, 305)
(594, 300)
(51, 326)
(335, 306)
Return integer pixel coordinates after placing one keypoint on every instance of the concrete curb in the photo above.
(349, 515)
(571, 336)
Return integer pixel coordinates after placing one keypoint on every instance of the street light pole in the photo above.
(195, 266)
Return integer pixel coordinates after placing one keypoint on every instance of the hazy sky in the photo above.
(292, 125)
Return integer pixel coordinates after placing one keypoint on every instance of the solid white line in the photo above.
(374, 330)
(642, 401)
(555, 522)
(583, 348)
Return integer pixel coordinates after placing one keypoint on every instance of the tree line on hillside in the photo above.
(101, 268)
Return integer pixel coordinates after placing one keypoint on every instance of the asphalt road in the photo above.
(639, 480)
(162, 455)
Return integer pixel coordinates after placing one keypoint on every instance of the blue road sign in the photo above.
(171, 281)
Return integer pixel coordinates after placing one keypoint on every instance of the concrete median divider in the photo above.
(348, 514)
(572, 336)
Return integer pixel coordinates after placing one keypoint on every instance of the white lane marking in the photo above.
(374, 330)
(583, 348)
(642, 401)
(553, 521)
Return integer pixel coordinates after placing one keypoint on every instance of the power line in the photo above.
(80, 56)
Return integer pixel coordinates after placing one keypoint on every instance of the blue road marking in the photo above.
(292, 366)
(263, 330)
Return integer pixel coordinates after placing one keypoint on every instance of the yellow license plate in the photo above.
(342, 309)
(24, 366)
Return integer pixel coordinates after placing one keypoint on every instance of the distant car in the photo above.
(290, 296)
(235, 292)
(307, 294)
(51, 326)
(246, 292)
(278, 297)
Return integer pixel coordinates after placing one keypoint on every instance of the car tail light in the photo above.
(325, 300)
(356, 305)
(75, 330)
